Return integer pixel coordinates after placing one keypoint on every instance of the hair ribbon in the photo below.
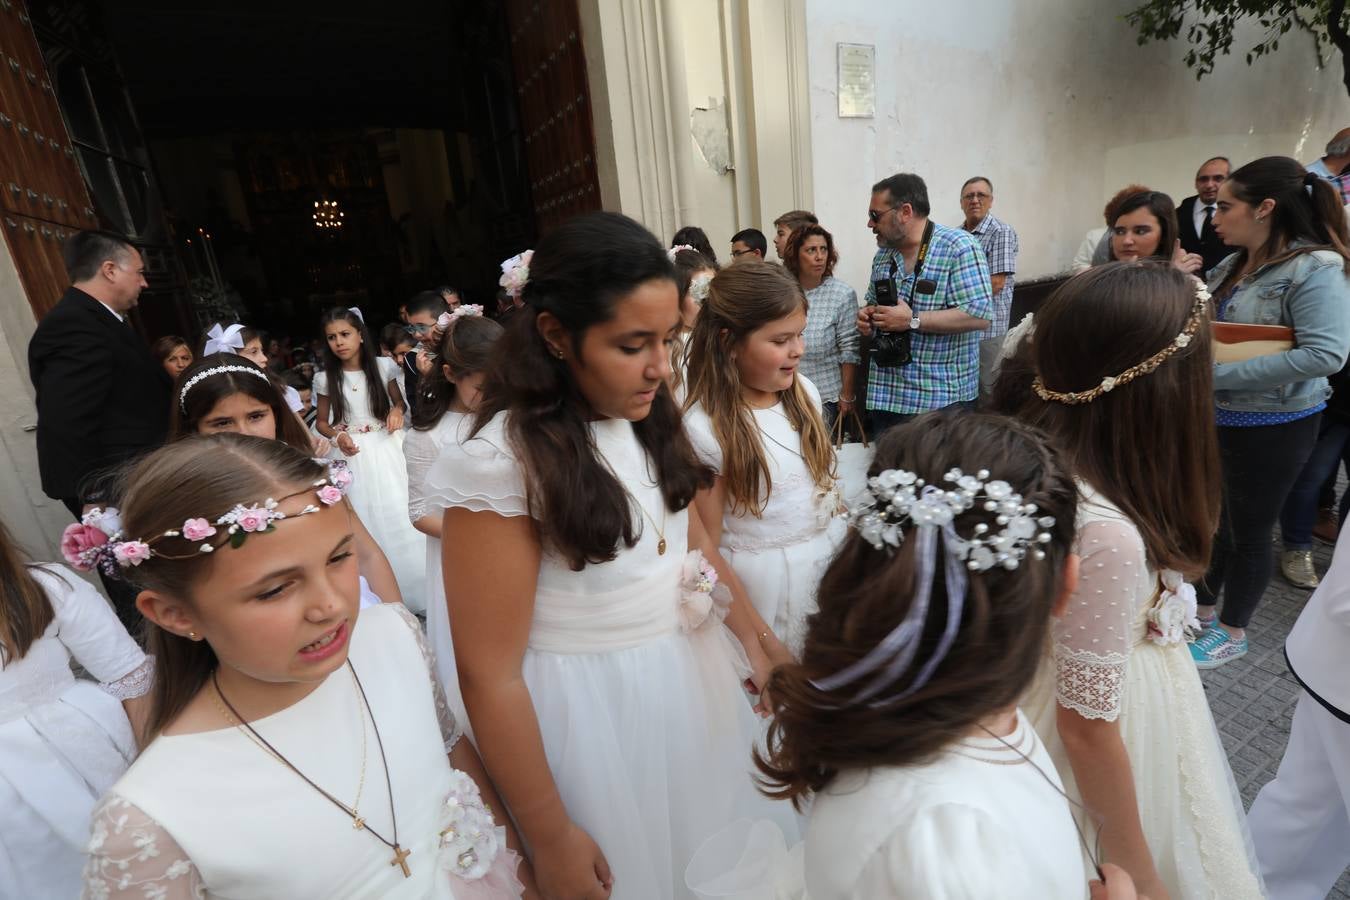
(224, 340)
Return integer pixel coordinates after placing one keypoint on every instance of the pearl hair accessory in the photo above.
(898, 499)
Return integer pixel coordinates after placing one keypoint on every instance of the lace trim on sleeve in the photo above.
(135, 683)
(132, 857)
(1089, 683)
(451, 731)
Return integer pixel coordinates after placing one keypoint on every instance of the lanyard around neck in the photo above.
(918, 262)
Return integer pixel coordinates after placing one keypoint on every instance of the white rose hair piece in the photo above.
(898, 500)
(96, 541)
(675, 251)
(463, 311)
(516, 273)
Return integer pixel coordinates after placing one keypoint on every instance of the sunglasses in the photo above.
(875, 216)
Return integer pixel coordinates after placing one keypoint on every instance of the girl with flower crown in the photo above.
(360, 409)
(899, 731)
(63, 740)
(1118, 356)
(450, 397)
(597, 649)
(299, 746)
(774, 508)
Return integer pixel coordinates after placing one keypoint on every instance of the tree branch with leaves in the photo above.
(1209, 26)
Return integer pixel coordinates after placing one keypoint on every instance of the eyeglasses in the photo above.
(738, 253)
(971, 197)
(875, 216)
(418, 330)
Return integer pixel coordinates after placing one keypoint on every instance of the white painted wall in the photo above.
(1054, 101)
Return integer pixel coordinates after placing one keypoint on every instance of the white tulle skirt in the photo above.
(1189, 805)
(379, 494)
(648, 734)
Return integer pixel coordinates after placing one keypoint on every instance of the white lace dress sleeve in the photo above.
(921, 860)
(450, 728)
(480, 474)
(1092, 641)
(700, 430)
(91, 631)
(132, 857)
(419, 452)
(320, 384)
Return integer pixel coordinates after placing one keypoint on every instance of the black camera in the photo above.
(891, 349)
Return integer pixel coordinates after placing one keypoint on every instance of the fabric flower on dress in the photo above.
(471, 839)
(1172, 618)
(702, 600)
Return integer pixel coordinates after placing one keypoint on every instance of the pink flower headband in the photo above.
(516, 272)
(463, 311)
(96, 541)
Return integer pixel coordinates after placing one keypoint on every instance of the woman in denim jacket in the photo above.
(1291, 268)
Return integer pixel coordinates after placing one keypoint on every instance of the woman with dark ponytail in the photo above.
(593, 640)
(1292, 269)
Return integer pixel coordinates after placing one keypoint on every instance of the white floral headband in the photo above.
(215, 370)
(463, 311)
(898, 499)
(516, 273)
(95, 542)
(674, 251)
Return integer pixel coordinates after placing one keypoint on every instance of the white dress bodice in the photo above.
(356, 390)
(219, 812)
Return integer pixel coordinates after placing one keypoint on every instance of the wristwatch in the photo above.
(914, 322)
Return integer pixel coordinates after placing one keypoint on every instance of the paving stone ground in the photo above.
(1253, 697)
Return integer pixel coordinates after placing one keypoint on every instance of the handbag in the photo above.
(851, 459)
(1235, 342)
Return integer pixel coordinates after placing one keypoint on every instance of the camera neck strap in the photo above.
(918, 262)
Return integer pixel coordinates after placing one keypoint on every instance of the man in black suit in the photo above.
(101, 397)
(1196, 213)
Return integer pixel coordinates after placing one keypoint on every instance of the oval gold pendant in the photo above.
(661, 547)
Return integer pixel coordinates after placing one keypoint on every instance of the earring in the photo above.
(192, 635)
(559, 352)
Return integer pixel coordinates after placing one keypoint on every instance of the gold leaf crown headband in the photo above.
(1111, 382)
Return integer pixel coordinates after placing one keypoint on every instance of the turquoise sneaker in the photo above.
(1216, 647)
(1207, 623)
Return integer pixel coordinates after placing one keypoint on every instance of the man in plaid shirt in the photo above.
(945, 326)
(999, 241)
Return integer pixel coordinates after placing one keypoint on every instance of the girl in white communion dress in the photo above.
(774, 508)
(899, 730)
(589, 632)
(300, 745)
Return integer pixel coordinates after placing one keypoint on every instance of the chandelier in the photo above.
(327, 215)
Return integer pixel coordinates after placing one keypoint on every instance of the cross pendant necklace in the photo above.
(400, 855)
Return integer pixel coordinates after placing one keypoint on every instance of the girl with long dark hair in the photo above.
(361, 410)
(1292, 269)
(593, 633)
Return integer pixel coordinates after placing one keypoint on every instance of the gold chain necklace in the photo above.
(660, 529)
(401, 855)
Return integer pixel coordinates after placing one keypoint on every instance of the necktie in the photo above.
(1207, 228)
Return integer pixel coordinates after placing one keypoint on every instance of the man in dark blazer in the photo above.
(1196, 213)
(101, 397)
